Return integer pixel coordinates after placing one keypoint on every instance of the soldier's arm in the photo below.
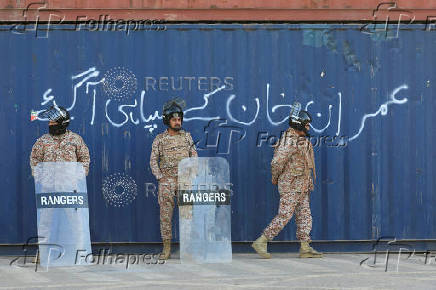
(192, 149)
(82, 153)
(154, 159)
(312, 156)
(282, 154)
(37, 155)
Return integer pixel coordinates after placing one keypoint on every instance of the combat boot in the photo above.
(307, 251)
(260, 246)
(166, 252)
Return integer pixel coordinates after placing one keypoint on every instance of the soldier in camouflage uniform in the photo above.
(291, 168)
(168, 149)
(60, 145)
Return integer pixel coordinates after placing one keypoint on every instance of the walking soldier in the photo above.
(291, 168)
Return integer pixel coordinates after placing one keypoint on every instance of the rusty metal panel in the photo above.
(220, 4)
(56, 11)
(369, 90)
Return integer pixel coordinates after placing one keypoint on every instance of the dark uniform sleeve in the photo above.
(37, 154)
(82, 153)
(154, 159)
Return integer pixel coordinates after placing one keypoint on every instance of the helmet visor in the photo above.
(54, 113)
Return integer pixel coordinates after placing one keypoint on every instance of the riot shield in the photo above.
(62, 213)
(204, 210)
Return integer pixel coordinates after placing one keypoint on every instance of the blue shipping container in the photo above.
(370, 94)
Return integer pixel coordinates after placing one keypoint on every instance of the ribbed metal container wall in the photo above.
(375, 91)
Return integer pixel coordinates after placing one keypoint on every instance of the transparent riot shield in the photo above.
(62, 212)
(204, 210)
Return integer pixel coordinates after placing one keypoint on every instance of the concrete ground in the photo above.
(247, 271)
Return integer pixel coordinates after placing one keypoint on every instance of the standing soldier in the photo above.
(291, 169)
(168, 149)
(60, 145)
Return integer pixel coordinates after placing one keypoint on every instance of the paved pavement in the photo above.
(247, 271)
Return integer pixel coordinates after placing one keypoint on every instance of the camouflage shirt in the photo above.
(167, 151)
(68, 147)
(294, 160)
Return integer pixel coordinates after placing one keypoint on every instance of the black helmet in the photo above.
(298, 118)
(172, 108)
(57, 114)
(304, 117)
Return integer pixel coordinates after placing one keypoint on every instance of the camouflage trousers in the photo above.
(291, 202)
(167, 192)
